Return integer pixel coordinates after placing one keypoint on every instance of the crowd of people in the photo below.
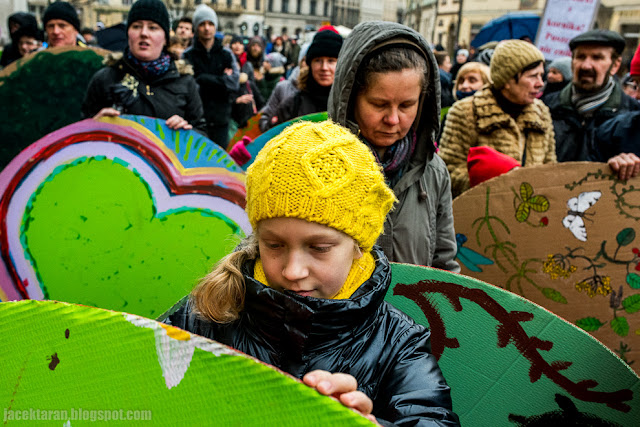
(312, 258)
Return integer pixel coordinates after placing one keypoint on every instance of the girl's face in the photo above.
(386, 110)
(307, 258)
(471, 81)
(146, 40)
(554, 76)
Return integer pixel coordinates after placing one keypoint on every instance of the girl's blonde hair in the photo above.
(219, 296)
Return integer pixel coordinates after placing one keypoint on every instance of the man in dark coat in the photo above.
(593, 97)
(213, 69)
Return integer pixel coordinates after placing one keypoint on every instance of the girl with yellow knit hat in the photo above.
(305, 292)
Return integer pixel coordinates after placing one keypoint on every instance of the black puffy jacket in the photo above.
(118, 84)
(618, 135)
(574, 133)
(387, 353)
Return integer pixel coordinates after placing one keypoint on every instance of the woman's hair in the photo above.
(303, 78)
(392, 59)
(525, 69)
(472, 67)
(219, 296)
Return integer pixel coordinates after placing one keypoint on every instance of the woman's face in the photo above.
(470, 82)
(386, 110)
(146, 40)
(307, 258)
(554, 76)
(527, 88)
(323, 70)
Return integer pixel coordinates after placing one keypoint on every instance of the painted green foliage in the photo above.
(41, 96)
(113, 241)
(598, 284)
(528, 202)
(503, 252)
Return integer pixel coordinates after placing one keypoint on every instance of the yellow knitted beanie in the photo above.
(509, 58)
(322, 173)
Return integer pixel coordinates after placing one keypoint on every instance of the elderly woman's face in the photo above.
(527, 88)
(146, 40)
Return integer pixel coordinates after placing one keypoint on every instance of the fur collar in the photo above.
(113, 58)
(490, 116)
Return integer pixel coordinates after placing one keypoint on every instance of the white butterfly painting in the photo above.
(576, 215)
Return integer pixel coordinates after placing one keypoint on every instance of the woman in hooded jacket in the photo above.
(387, 91)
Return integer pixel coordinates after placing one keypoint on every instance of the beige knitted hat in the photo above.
(509, 58)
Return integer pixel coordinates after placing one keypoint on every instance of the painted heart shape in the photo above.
(106, 214)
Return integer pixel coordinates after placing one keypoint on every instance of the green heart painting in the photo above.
(107, 214)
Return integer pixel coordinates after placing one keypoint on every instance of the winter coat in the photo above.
(387, 353)
(479, 121)
(618, 135)
(420, 228)
(575, 133)
(446, 89)
(119, 85)
(311, 98)
(282, 91)
(217, 89)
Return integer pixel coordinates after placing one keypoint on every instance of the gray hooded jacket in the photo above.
(420, 228)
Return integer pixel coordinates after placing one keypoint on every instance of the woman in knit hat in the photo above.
(506, 116)
(305, 292)
(145, 80)
(387, 92)
(315, 82)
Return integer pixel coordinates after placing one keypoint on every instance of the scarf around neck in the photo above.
(361, 270)
(587, 102)
(395, 158)
(155, 68)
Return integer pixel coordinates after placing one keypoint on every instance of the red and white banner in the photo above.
(562, 21)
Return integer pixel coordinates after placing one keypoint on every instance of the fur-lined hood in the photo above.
(113, 58)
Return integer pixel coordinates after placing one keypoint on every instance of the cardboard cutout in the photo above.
(41, 93)
(563, 236)
(71, 365)
(117, 213)
(510, 362)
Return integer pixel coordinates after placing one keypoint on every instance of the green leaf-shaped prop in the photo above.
(631, 304)
(554, 295)
(620, 326)
(589, 324)
(633, 280)
(526, 191)
(539, 203)
(626, 236)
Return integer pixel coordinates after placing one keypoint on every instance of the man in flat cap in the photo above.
(62, 25)
(593, 97)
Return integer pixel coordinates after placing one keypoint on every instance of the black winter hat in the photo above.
(150, 10)
(62, 10)
(325, 43)
(601, 38)
(29, 31)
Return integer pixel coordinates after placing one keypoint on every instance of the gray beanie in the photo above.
(204, 13)
(563, 65)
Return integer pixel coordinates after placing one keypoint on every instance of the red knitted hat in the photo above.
(635, 63)
(485, 163)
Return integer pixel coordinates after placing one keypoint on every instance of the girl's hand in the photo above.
(176, 122)
(344, 388)
(107, 112)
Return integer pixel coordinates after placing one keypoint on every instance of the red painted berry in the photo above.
(635, 251)
(544, 221)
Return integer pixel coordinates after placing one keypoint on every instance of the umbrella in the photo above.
(510, 26)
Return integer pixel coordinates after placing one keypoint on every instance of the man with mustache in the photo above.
(593, 97)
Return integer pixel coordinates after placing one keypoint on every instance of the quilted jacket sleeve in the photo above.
(414, 392)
